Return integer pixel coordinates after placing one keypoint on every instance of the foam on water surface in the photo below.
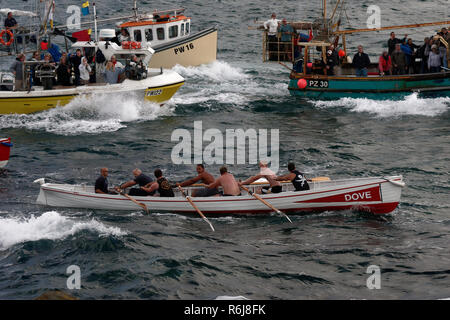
(50, 225)
(88, 114)
(410, 105)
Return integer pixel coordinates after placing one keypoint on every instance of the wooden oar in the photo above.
(135, 201)
(195, 207)
(266, 203)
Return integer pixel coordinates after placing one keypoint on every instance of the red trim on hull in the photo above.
(378, 209)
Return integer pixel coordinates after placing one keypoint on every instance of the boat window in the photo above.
(137, 35)
(182, 30)
(149, 34)
(160, 33)
(187, 27)
(173, 32)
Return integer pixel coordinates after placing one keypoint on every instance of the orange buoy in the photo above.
(11, 37)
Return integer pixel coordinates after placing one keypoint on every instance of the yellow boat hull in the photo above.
(25, 104)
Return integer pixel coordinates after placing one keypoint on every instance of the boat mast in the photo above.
(135, 10)
(95, 24)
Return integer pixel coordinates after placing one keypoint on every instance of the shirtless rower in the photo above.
(203, 177)
(269, 175)
(297, 178)
(227, 182)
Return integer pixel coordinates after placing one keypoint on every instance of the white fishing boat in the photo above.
(5, 148)
(377, 195)
(169, 34)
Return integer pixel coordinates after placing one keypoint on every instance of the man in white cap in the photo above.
(272, 27)
(269, 175)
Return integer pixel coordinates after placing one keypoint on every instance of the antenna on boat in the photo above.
(95, 23)
(135, 10)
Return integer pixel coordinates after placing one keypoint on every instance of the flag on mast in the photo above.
(85, 8)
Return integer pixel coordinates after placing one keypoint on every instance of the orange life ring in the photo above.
(11, 37)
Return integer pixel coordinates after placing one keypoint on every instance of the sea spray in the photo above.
(50, 225)
(88, 114)
(410, 105)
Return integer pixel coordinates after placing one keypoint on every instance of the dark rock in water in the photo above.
(55, 295)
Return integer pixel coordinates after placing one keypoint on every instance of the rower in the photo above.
(227, 182)
(101, 184)
(161, 185)
(269, 175)
(297, 178)
(139, 179)
(203, 177)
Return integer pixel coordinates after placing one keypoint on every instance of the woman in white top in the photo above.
(85, 70)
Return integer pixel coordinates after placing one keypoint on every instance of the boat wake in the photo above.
(50, 225)
(91, 115)
(411, 105)
(220, 83)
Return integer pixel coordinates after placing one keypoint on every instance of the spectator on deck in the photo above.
(272, 39)
(434, 60)
(361, 62)
(112, 73)
(392, 42)
(76, 62)
(412, 61)
(10, 24)
(85, 70)
(123, 36)
(442, 48)
(385, 64)
(64, 72)
(331, 63)
(398, 60)
(286, 31)
(17, 70)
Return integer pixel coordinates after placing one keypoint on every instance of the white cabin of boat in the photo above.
(159, 28)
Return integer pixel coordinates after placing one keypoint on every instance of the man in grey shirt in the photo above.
(17, 70)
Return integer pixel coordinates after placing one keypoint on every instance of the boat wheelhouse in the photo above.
(169, 34)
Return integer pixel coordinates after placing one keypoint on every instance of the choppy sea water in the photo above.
(126, 255)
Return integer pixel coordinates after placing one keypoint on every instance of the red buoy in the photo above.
(341, 53)
(301, 83)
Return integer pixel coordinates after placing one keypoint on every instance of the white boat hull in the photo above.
(375, 195)
(191, 51)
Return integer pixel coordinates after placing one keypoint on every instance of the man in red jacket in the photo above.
(385, 64)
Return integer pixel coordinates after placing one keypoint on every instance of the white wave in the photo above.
(50, 225)
(218, 71)
(411, 105)
(219, 82)
(94, 114)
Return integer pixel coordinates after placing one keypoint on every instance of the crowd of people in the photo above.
(402, 56)
(208, 185)
(70, 69)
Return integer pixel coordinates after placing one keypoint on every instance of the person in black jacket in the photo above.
(361, 62)
(393, 41)
(64, 72)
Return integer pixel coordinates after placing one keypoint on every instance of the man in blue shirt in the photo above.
(101, 184)
(141, 180)
(286, 31)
